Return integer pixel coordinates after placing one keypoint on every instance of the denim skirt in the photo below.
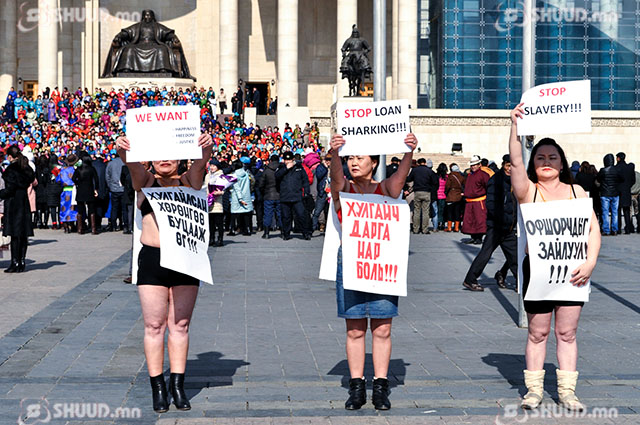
(362, 305)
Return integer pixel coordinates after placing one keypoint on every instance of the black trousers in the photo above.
(216, 224)
(628, 224)
(117, 210)
(494, 239)
(289, 209)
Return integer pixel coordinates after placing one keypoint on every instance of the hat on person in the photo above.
(506, 159)
(429, 163)
(395, 159)
(245, 160)
(216, 163)
(71, 159)
(287, 155)
(475, 160)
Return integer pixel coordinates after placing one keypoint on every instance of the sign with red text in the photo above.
(183, 222)
(556, 108)
(373, 128)
(557, 235)
(375, 243)
(163, 133)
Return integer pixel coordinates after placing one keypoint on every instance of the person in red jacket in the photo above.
(475, 212)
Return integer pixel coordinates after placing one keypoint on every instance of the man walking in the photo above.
(425, 181)
(501, 227)
(610, 179)
(475, 211)
(294, 183)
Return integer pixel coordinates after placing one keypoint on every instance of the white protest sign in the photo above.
(556, 108)
(375, 243)
(332, 236)
(373, 128)
(163, 133)
(557, 235)
(183, 222)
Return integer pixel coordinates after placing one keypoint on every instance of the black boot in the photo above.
(176, 386)
(16, 254)
(357, 394)
(380, 396)
(13, 268)
(22, 258)
(265, 235)
(159, 393)
(220, 238)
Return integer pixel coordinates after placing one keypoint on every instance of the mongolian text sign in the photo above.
(557, 234)
(373, 128)
(556, 108)
(163, 133)
(375, 243)
(183, 221)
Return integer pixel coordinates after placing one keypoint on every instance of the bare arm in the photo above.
(519, 180)
(139, 176)
(338, 182)
(195, 176)
(393, 185)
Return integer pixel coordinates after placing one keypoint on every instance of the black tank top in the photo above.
(145, 206)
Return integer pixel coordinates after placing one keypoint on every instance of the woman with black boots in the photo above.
(86, 181)
(167, 297)
(360, 308)
(17, 222)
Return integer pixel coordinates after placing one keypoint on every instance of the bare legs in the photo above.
(566, 324)
(381, 346)
(161, 308)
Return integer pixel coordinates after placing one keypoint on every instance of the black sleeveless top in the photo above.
(145, 207)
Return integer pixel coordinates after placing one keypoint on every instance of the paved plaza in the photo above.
(267, 347)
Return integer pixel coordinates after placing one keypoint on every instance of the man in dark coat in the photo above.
(268, 186)
(294, 184)
(501, 227)
(102, 201)
(610, 179)
(475, 211)
(256, 99)
(425, 181)
(628, 173)
(393, 167)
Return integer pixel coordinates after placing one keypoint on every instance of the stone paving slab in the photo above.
(267, 347)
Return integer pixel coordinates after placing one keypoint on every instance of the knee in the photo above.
(537, 336)
(155, 328)
(356, 334)
(180, 327)
(382, 332)
(567, 336)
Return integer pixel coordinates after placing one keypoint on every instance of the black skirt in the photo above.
(150, 272)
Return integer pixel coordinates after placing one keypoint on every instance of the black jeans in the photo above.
(216, 224)
(628, 224)
(117, 210)
(494, 239)
(289, 210)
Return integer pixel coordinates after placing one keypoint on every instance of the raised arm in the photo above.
(139, 176)
(338, 182)
(519, 180)
(195, 176)
(393, 185)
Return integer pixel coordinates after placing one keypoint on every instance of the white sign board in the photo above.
(557, 234)
(373, 128)
(556, 108)
(332, 236)
(163, 133)
(375, 243)
(183, 222)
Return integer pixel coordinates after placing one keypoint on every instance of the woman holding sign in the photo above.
(167, 297)
(547, 178)
(357, 307)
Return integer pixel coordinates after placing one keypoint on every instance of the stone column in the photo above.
(394, 49)
(347, 17)
(47, 45)
(287, 53)
(228, 47)
(408, 51)
(8, 48)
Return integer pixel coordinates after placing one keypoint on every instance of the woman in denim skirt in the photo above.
(358, 308)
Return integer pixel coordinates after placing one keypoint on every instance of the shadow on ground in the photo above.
(397, 371)
(511, 367)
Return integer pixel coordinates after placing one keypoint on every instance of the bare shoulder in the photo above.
(580, 192)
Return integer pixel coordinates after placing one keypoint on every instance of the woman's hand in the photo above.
(581, 275)
(337, 141)
(205, 140)
(516, 113)
(218, 192)
(411, 141)
(123, 143)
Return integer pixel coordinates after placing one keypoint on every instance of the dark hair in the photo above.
(565, 172)
(484, 162)
(584, 167)
(621, 155)
(237, 164)
(442, 170)
(22, 160)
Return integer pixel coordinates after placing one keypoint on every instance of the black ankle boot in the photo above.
(357, 394)
(159, 393)
(13, 268)
(176, 386)
(265, 235)
(21, 265)
(380, 396)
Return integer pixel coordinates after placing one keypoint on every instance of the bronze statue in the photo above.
(145, 48)
(355, 62)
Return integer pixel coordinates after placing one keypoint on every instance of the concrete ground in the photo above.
(267, 347)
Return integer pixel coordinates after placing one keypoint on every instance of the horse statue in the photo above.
(355, 65)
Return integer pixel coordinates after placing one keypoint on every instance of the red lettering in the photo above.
(554, 91)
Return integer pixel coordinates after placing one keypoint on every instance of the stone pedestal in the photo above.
(129, 83)
(250, 115)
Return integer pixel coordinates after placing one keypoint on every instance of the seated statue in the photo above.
(146, 47)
